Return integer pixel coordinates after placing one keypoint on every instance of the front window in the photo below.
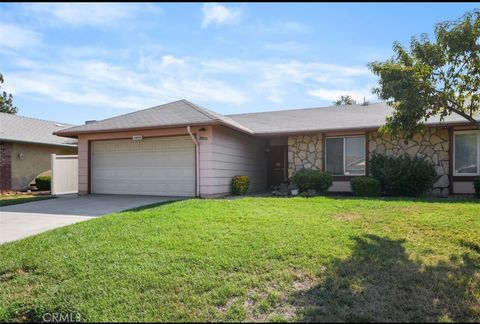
(345, 155)
(466, 153)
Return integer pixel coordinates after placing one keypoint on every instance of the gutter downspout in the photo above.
(197, 162)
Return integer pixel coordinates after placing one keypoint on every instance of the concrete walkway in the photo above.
(23, 220)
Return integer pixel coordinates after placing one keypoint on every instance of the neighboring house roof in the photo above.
(14, 128)
(184, 113)
(177, 113)
(331, 118)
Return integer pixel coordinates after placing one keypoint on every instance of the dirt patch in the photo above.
(273, 302)
(228, 304)
(303, 281)
(281, 310)
(345, 217)
(21, 272)
(11, 274)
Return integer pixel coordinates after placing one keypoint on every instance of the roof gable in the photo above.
(177, 113)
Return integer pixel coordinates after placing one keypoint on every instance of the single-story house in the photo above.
(26, 145)
(182, 149)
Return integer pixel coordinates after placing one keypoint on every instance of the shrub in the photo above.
(317, 180)
(476, 185)
(366, 187)
(43, 182)
(240, 184)
(402, 175)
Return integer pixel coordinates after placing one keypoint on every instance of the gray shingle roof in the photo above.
(331, 118)
(15, 128)
(182, 113)
(177, 113)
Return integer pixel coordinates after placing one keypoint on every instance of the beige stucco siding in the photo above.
(228, 153)
(29, 160)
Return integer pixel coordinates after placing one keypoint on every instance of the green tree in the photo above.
(6, 101)
(344, 100)
(431, 78)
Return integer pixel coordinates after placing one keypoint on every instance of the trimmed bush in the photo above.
(402, 175)
(308, 179)
(476, 185)
(43, 182)
(240, 184)
(366, 187)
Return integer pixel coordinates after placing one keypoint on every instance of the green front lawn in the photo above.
(254, 259)
(6, 200)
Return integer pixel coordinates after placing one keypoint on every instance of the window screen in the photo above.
(354, 155)
(334, 152)
(466, 153)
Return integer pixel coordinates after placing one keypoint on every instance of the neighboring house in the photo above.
(181, 149)
(26, 145)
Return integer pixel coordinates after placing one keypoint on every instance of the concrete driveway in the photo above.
(22, 220)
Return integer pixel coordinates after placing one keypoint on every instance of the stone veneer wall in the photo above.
(305, 151)
(433, 145)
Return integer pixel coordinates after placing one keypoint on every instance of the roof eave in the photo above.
(353, 129)
(74, 134)
(10, 140)
(315, 131)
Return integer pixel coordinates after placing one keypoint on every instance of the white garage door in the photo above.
(163, 166)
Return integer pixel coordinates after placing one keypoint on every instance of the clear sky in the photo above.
(75, 62)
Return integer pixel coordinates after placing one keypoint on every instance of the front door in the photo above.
(277, 163)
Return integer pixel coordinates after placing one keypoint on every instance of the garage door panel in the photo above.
(171, 158)
(153, 166)
(135, 175)
(130, 170)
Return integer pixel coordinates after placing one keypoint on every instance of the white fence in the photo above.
(64, 174)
